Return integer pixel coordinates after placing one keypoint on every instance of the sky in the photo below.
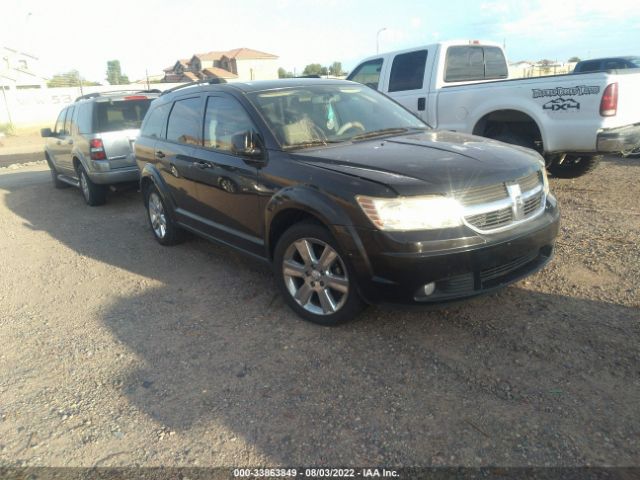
(149, 36)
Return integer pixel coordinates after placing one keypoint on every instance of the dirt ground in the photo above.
(119, 352)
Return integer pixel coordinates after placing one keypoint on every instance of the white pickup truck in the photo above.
(463, 86)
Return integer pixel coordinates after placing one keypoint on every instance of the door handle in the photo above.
(421, 103)
(201, 164)
(160, 154)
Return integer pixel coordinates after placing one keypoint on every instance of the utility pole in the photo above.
(378, 39)
(146, 72)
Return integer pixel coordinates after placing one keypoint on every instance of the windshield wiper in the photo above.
(311, 143)
(379, 133)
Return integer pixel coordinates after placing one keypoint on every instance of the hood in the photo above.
(426, 162)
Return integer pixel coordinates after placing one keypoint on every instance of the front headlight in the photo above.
(412, 213)
(545, 179)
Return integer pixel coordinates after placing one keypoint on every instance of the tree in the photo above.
(314, 69)
(574, 59)
(72, 78)
(282, 73)
(336, 69)
(114, 73)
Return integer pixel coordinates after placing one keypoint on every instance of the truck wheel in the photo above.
(573, 165)
(314, 276)
(93, 193)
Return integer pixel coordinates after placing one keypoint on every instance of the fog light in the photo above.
(429, 288)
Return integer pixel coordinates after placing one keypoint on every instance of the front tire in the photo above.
(314, 277)
(93, 193)
(573, 166)
(54, 175)
(164, 229)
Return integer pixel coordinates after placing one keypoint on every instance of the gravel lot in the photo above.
(117, 351)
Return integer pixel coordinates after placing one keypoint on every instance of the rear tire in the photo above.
(164, 229)
(573, 165)
(314, 276)
(93, 193)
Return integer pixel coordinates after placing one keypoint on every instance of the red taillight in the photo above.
(135, 97)
(609, 102)
(96, 149)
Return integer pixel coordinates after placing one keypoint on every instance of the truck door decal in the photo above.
(561, 104)
(565, 91)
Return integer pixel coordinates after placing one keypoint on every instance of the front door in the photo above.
(227, 182)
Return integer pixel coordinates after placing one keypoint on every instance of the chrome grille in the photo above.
(493, 207)
(491, 220)
(478, 195)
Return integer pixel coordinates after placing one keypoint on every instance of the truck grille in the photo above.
(494, 207)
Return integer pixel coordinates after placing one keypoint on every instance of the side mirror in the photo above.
(246, 145)
(46, 132)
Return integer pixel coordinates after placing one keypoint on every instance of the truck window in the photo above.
(367, 73)
(113, 115)
(155, 122)
(84, 118)
(474, 63)
(592, 66)
(495, 65)
(407, 71)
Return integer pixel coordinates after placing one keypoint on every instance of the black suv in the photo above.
(352, 198)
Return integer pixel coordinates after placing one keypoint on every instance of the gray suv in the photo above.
(91, 145)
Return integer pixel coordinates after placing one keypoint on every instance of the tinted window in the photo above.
(495, 65)
(84, 118)
(184, 122)
(464, 63)
(407, 71)
(155, 121)
(67, 121)
(224, 118)
(116, 115)
(592, 66)
(60, 122)
(367, 73)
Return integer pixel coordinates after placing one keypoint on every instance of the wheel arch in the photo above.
(526, 122)
(150, 176)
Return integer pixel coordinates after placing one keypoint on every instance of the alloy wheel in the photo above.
(315, 276)
(157, 215)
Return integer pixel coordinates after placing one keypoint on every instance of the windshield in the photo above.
(116, 115)
(320, 114)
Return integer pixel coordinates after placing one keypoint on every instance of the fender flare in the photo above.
(151, 174)
(516, 108)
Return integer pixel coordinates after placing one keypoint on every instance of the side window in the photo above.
(407, 71)
(495, 65)
(84, 118)
(155, 122)
(367, 73)
(592, 66)
(464, 63)
(224, 118)
(60, 122)
(184, 122)
(67, 121)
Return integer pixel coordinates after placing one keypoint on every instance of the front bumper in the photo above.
(621, 139)
(395, 268)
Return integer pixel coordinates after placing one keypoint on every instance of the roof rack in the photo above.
(210, 81)
(113, 92)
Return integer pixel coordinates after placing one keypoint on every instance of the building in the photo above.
(18, 70)
(243, 64)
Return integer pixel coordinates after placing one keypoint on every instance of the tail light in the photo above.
(96, 149)
(609, 102)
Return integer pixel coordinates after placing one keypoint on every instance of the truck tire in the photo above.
(93, 194)
(573, 165)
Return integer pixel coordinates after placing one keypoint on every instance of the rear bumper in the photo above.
(398, 274)
(620, 139)
(121, 175)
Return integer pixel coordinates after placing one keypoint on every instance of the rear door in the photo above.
(117, 122)
(228, 200)
(174, 155)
